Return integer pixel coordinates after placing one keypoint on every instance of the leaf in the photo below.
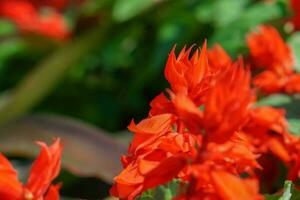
(163, 192)
(8, 48)
(294, 42)
(7, 27)
(294, 126)
(232, 36)
(289, 193)
(88, 151)
(289, 103)
(124, 10)
(275, 100)
(39, 82)
(222, 12)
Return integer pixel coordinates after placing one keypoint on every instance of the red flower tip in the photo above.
(44, 169)
(218, 58)
(187, 73)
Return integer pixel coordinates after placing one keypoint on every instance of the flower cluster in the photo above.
(28, 16)
(207, 131)
(269, 52)
(45, 168)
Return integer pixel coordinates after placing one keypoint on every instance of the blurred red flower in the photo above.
(27, 16)
(295, 5)
(269, 52)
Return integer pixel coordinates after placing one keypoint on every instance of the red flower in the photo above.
(188, 74)
(45, 168)
(155, 149)
(216, 173)
(269, 51)
(267, 131)
(230, 187)
(295, 5)
(26, 16)
(227, 103)
(218, 58)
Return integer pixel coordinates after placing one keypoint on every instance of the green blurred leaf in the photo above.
(294, 126)
(232, 36)
(7, 27)
(163, 192)
(289, 193)
(39, 82)
(8, 48)
(88, 151)
(294, 42)
(221, 12)
(124, 10)
(275, 100)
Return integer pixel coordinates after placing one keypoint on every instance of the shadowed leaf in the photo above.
(88, 151)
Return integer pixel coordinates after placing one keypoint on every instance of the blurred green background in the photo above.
(112, 66)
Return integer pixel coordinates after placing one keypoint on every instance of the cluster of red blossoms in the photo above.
(207, 131)
(28, 16)
(38, 187)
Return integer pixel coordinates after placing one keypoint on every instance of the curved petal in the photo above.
(230, 187)
(45, 168)
(10, 187)
(53, 192)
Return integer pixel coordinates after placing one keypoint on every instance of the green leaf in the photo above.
(271, 197)
(289, 193)
(222, 12)
(88, 151)
(124, 10)
(275, 100)
(294, 42)
(232, 36)
(164, 192)
(40, 81)
(7, 27)
(294, 126)
(289, 103)
(9, 48)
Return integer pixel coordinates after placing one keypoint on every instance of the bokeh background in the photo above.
(105, 72)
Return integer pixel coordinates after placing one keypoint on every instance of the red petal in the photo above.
(53, 193)
(230, 187)
(10, 187)
(45, 168)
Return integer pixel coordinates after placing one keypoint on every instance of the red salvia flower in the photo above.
(177, 132)
(295, 5)
(226, 106)
(267, 131)
(25, 14)
(218, 58)
(269, 51)
(188, 74)
(156, 148)
(218, 163)
(44, 169)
